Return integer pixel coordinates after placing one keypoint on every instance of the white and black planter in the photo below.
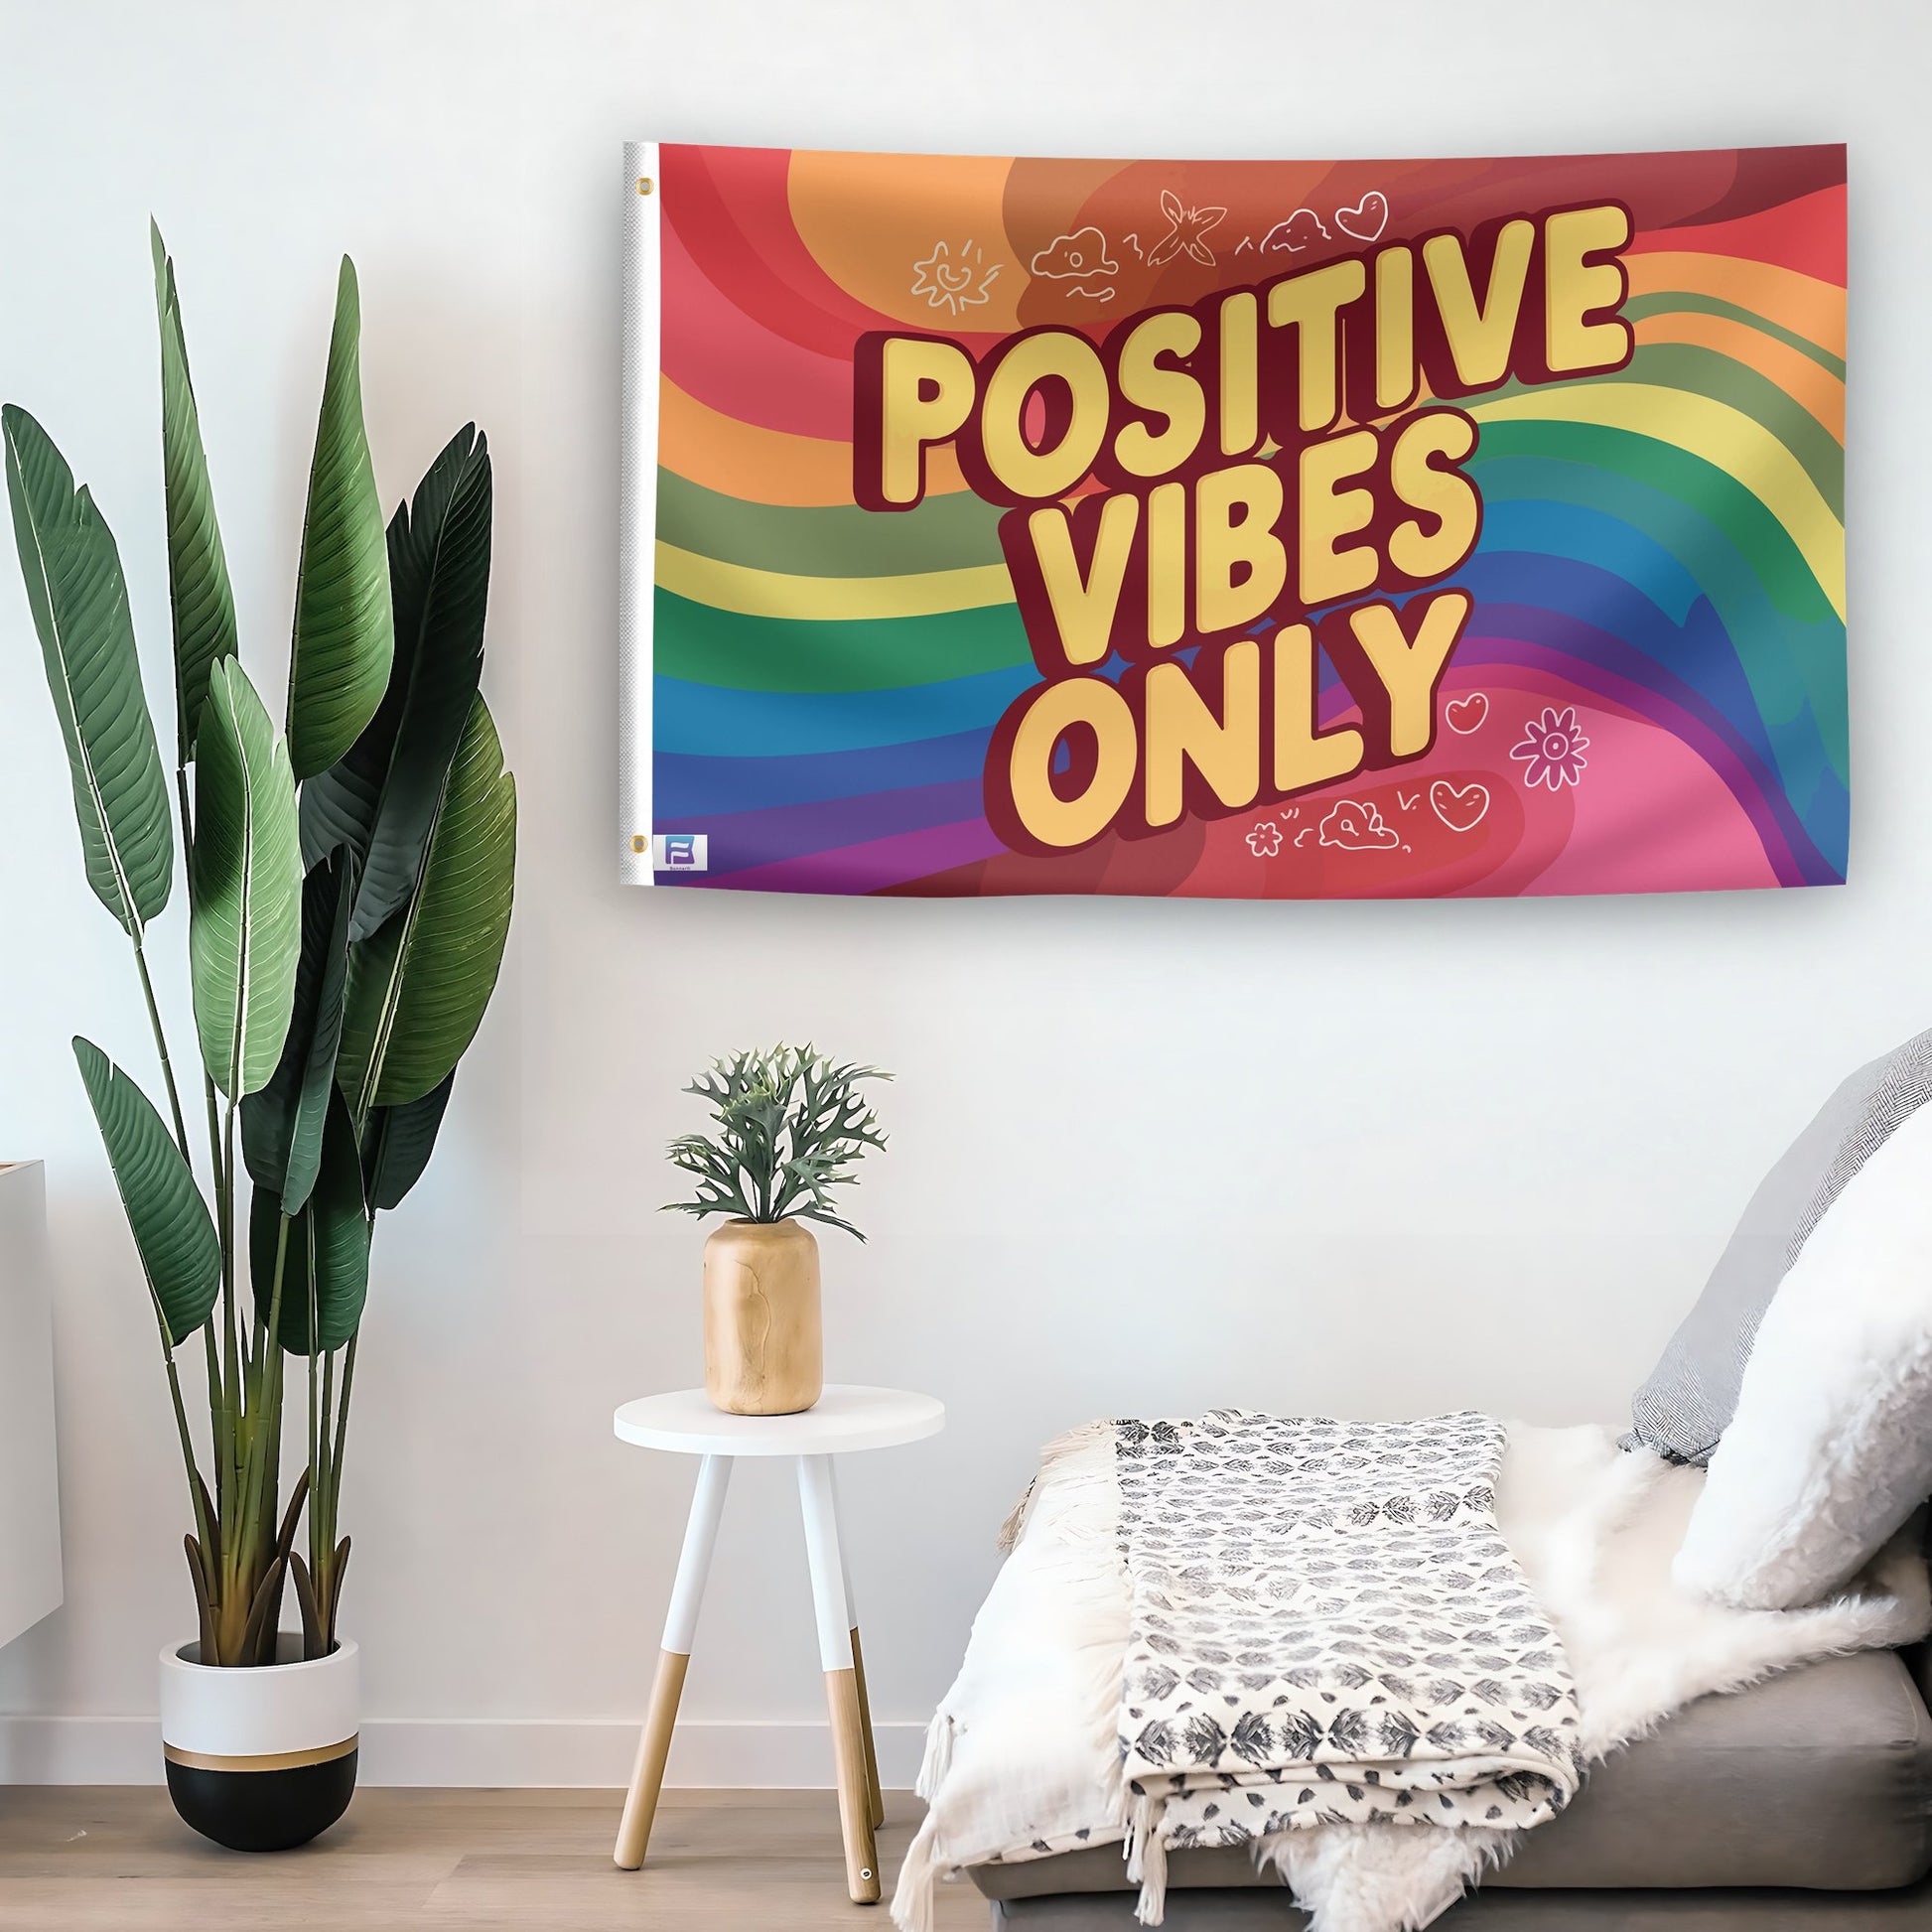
(260, 1759)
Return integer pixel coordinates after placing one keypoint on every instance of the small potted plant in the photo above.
(350, 879)
(788, 1127)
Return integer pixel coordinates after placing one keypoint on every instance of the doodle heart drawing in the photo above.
(1466, 714)
(1460, 807)
(1367, 218)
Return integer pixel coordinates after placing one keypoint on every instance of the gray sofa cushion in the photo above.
(1504, 1911)
(1692, 1393)
(1819, 1779)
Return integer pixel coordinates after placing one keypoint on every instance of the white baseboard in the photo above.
(483, 1753)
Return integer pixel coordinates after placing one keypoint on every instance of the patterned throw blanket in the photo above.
(1326, 1626)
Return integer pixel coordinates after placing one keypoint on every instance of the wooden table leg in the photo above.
(877, 1796)
(680, 1627)
(874, 1797)
(820, 1511)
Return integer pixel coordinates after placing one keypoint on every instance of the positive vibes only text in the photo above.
(1207, 472)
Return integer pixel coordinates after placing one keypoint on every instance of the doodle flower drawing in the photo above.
(1552, 748)
(1188, 229)
(1264, 841)
(955, 278)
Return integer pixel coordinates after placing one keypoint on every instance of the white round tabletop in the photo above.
(845, 1417)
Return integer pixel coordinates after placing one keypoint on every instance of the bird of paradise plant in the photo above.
(349, 881)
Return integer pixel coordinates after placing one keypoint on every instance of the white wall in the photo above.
(1148, 1156)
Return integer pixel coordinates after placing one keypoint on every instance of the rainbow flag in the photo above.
(1245, 530)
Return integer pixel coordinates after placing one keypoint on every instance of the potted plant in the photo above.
(348, 894)
(788, 1127)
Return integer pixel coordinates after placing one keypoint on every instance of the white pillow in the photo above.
(1831, 1449)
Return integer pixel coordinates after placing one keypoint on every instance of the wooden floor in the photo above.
(116, 1859)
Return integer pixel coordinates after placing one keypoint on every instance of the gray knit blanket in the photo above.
(1328, 1627)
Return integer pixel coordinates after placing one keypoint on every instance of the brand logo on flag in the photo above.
(680, 852)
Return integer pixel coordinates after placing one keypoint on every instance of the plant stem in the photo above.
(160, 1048)
(186, 814)
(316, 1432)
(317, 1461)
(247, 1562)
(323, 1527)
(191, 1467)
(234, 1415)
(322, 1520)
(230, 1347)
(188, 1465)
(267, 1412)
(219, 1396)
(342, 1413)
(220, 1434)
(201, 1525)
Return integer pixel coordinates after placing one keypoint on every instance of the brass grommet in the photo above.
(644, 183)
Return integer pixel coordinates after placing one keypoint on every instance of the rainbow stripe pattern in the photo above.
(1649, 694)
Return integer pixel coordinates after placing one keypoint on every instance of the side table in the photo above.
(844, 1419)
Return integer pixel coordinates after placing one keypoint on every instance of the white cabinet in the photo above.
(30, 1512)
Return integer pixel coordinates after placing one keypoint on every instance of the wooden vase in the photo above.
(763, 1345)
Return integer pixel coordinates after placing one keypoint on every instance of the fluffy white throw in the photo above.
(1023, 1759)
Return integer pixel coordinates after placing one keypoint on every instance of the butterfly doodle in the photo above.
(1188, 227)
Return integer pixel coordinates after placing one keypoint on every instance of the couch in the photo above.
(1801, 1805)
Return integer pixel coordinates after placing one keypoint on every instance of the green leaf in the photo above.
(325, 1265)
(380, 797)
(244, 933)
(418, 989)
(173, 1232)
(344, 631)
(398, 1144)
(198, 571)
(792, 1124)
(281, 1125)
(79, 599)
